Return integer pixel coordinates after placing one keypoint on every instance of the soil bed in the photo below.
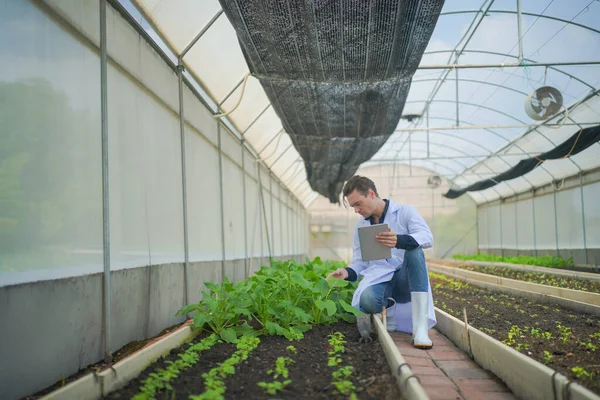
(538, 277)
(560, 338)
(118, 355)
(459, 263)
(310, 375)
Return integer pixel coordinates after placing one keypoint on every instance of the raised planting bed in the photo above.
(542, 261)
(564, 340)
(316, 369)
(538, 277)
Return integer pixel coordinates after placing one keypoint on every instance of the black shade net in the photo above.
(336, 72)
(578, 142)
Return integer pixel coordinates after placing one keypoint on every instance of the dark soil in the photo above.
(495, 314)
(456, 263)
(118, 355)
(310, 375)
(538, 277)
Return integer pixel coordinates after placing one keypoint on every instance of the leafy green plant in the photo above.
(547, 357)
(342, 376)
(284, 299)
(581, 373)
(159, 380)
(214, 379)
(513, 335)
(544, 261)
(280, 370)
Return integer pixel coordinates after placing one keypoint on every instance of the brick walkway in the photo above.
(447, 373)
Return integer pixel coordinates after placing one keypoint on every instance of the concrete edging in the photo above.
(94, 386)
(530, 268)
(534, 291)
(527, 378)
(410, 389)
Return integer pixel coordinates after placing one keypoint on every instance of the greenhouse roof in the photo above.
(464, 117)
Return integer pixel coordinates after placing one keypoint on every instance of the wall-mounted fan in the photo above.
(543, 103)
(434, 181)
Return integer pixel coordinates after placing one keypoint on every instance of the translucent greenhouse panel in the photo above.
(263, 130)
(217, 59)
(274, 150)
(493, 226)
(172, 19)
(570, 219)
(545, 229)
(509, 225)
(233, 204)
(253, 103)
(231, 146)
(145, 193)
(268, 222)
(254, 216)
(286, 162)
(276, 226)
(83, 14)
(250, 165)
(198, 116)
(525, 232)
(420, 91)
(482, 228)
(50, 168)
(591, 194)
(204, 223)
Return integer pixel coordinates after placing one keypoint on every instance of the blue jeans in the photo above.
(411, 277)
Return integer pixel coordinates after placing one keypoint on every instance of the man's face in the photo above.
(363, 205)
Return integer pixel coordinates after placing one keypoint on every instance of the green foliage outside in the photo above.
(544, 261)
(284, 299)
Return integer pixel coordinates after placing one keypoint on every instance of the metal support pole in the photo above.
(533, 214)
(106, 291)
(272, 219)
(264, 209)
(427, 120)
(457, 99)
(410, 154)
(508, 65)
(501, 231)
(520, 58)
(219, 144)
(555, 221)
(516, 227)
(280, 220)
(583, 218)
(201, 33)
(477, 229)
(244, 196)
(433, 214)
(186, 248)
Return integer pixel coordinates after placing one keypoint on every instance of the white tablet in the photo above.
(370, 248)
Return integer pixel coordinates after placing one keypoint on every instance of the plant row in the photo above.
(543, 261)
(342, 376)
(539, 277)
(565, 340)
(284, 299)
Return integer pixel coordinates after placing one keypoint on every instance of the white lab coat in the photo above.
(403, 220)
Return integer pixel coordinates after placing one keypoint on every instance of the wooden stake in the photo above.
(384, 317)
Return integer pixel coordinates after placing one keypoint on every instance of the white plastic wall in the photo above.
(552, 223)
(51, 215)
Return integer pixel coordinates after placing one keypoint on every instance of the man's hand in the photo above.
(339, 273)
(388, 238)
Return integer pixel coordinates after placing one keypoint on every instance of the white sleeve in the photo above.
(418, 228)
(357, 264)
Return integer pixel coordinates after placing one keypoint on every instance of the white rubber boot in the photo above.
(420, 324)
(390, 320)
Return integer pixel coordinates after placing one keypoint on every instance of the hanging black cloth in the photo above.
(580, 141)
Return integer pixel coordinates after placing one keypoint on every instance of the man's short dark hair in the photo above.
(361, 184)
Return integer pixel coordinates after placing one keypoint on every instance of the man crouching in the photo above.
(397, 281)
